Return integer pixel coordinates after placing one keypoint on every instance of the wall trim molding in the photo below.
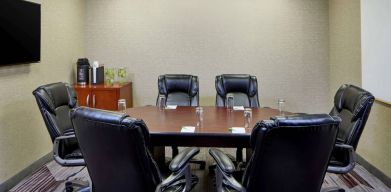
(375, 171)
(11, 182)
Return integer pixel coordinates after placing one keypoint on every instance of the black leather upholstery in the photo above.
(55, 101)
(243, 87)
(115, 148)
(289, 154)
(181, 90)
(353, 105)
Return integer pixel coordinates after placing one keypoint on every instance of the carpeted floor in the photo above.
(52, 177)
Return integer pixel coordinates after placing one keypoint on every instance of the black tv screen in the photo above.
(20, 32)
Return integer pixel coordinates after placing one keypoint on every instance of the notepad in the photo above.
(237, 130)
(188, 129)
(171, 106)
(238, 108)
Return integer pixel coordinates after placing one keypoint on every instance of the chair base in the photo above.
(77, 185)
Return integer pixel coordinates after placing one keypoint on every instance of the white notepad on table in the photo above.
(237, 130)
(188, 129)
(238, 108)
(171, 106)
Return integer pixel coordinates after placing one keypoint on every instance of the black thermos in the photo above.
(83, 71)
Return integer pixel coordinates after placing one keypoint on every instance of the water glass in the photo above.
(200, 116)
(229, 101)
(281, 105)
(122, 105)
(161, 102)
(248, 114)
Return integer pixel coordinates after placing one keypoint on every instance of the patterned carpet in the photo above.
(52, 177)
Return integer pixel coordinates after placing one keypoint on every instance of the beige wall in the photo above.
(345, 67)
(345, 43)
(23, 135)
(283, 42)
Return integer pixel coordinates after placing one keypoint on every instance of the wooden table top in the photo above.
(216, 119)
(165, 125)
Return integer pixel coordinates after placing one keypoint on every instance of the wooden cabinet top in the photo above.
(103, 86)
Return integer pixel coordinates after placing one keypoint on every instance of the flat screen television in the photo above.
(20, 32)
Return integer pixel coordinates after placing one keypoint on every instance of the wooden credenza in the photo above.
(104, 96)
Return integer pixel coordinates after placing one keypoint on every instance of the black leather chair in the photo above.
(55, 101)
(245, 91)
(181, 90)
(289, 154)
(115, 148)
(353, 105)
(243, 87)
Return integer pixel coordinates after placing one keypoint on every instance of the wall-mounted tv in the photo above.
(20, 32)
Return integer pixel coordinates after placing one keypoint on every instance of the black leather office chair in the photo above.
(55, 101)
(290, 154)
(243, 87)
(353, 105)
(245, 91)
(115, 148)
(181, 90)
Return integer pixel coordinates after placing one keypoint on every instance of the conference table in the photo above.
(165, 126)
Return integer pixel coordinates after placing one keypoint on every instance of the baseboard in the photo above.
(375, 171)
(8, 184)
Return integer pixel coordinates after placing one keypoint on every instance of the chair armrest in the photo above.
(61, 161)
(182, 159)
(180, 167)
(224, 171)
(349, 166)
(222, 160)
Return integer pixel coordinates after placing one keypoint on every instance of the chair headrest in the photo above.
(242, 83)
(110, 117)
(98, 115)
(171, 83)
(352, 98)
(293, 121)
(55, 95)
(304, 120)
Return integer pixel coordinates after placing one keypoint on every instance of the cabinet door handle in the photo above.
(93, 100)
(88, 100)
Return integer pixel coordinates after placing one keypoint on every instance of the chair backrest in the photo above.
(243, 87)
(55, 102)
(181, 90)
(115, 149)
(290, 153)
(353, 105)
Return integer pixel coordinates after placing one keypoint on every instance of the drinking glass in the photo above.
(281, 105)
(229, 101)
(200, 116)
(122, 105)
(121, 74)
(161, 102)
(248, 114)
